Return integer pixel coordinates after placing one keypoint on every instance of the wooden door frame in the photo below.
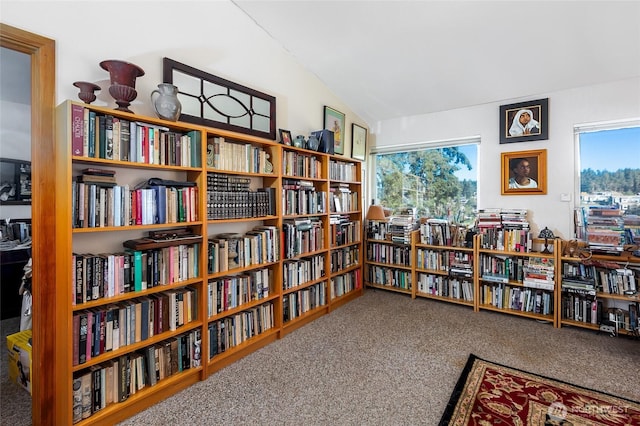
(49, 404)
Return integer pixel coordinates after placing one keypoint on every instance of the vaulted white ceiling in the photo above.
(388, 59)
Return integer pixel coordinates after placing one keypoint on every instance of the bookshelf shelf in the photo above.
(390, 288)
(550, 318)
(263, 166)
(390, 265)
(445, 299)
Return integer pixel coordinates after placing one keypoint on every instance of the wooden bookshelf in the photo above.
(248, 215)
(498, 292)
(443, 271)
(390, 265)
(587, 307)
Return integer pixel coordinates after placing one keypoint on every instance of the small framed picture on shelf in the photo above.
(285, 137)
(358, 142)
(334, 121)
(524, 121)
(524, 172)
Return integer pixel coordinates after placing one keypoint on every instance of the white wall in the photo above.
(216, 37)
(606, 102)
(213, 36)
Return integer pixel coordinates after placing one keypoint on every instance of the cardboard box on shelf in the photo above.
(19, 348)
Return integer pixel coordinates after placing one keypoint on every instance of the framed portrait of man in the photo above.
(524, 172)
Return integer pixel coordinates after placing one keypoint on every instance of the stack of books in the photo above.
(100, 177)
(539, 273)
(605, 229)
(401, 227)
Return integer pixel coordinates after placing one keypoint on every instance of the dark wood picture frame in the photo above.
(358, 142)
(213, 101)
(535, 129)
(516, 163)
(285, 137)
(334, 121)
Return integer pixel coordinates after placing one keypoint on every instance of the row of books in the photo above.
(445, 260)
(387, 253)
(343, 230)
(100, 205)
(240, 204)
(622, 281)
(297, 303)
(230, 292)
(578, 307)
(98, 135)
(106, 329)
(441, 232)
(103, 275)
(115, 381)
(300, 271)
(302, 236)
(339, 170)
(343, 199)
(230, 251)
(225, 182)
(344, 258)
(517, 240)
(439, 285)
(233, 330)
(502, 269)
(345, 283)
(301, 165)
(237, 157)
(521, 299)
(391, 277)
(378, 230)
(300, 197)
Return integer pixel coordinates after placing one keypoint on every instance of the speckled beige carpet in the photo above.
(385, 359)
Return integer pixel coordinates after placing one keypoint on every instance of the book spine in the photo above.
(77, 130)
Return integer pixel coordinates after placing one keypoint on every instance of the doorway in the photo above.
(45, 323)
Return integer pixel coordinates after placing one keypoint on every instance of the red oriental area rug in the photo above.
(492, 394)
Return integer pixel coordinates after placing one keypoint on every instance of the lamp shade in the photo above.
(376, 212)
(546, 233)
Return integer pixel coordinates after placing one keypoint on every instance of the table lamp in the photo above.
(547, 234)
(374, 214)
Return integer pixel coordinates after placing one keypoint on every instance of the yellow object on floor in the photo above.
(19, 347)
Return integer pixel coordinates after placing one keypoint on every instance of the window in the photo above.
(437, 182)
(609, 178)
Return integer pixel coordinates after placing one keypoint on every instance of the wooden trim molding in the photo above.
(47, 381)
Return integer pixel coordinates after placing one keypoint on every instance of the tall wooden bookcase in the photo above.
(222, 312)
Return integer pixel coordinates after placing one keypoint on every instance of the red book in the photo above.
(76, 339)
(77, 129)
(138, 194)
(89, 334)
(145, 145)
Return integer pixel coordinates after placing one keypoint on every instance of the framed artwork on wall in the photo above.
(358, 142)
(285, 137)
(334, 121)
(524, 121)
(524, 172)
